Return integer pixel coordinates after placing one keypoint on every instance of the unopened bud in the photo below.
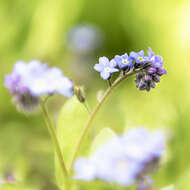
(79, 94)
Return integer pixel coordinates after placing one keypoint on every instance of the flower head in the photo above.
(151, 73)
(124, 61)
(106, 67)
(123, 159)
(139, 57)
(29, 81)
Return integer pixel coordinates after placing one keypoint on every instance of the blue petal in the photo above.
(125, 56)
(133, 55)
(150, 52)
(158, 59)
(141, 53)
(104, 61)
(118, 58)
(112, 63)
(98, 67)
(113, 70)
(105, 75)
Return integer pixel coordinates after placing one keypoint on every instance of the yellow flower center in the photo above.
(140, 58)
(39, 83)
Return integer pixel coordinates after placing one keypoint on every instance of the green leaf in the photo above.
(171, 187)
(8, 186)
(104, 135)
(183, 182)
(71, 122)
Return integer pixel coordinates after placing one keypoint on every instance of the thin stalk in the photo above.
(94, 112)
(109, 82)
(51, 130)
(87, 107)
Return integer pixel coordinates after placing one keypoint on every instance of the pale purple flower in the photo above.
(139, 57)
(151, 73)
(109, 163)
(124, 61)
(156, 60)
(123, 159)
(145, 147)
(85, 170)
(106, 67)
(29, 81)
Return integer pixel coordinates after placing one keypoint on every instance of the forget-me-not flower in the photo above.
(139, 57)
(150, 75)
(124, 61)
(106, 67)
(124, 158)
(28, 82)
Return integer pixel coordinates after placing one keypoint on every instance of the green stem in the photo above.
(109, 82)
(55, 141)
(87, 107)
(93, 114)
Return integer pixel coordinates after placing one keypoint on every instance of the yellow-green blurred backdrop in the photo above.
(38, 29)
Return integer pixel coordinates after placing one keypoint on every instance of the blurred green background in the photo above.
(40, 29)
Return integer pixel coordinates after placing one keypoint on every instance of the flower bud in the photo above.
(79, 94)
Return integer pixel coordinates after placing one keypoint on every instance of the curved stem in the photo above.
(94, 112)
(55, 140)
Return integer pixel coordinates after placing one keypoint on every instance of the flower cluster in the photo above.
(146, 79)
(29, 81)
(123, 159)
(150, 67)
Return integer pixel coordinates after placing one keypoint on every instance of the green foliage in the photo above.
(38, 29)
(100, 185)
(12, 187)
(104, 135)
(71, 121)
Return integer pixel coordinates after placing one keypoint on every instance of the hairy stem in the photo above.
(94, 112)
(55, 141)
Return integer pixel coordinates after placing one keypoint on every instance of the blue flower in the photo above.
(156, 61)
(85, 170)
(29, 81)
(106, 67)
(139, 57)
(124, 158)
(150, 75)
(123, 61)
(145, 147)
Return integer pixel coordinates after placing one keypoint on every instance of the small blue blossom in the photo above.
(139, 57)
(106, 67)
(156, 61)
(123, 159)
(29, 81)
(124, 61)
